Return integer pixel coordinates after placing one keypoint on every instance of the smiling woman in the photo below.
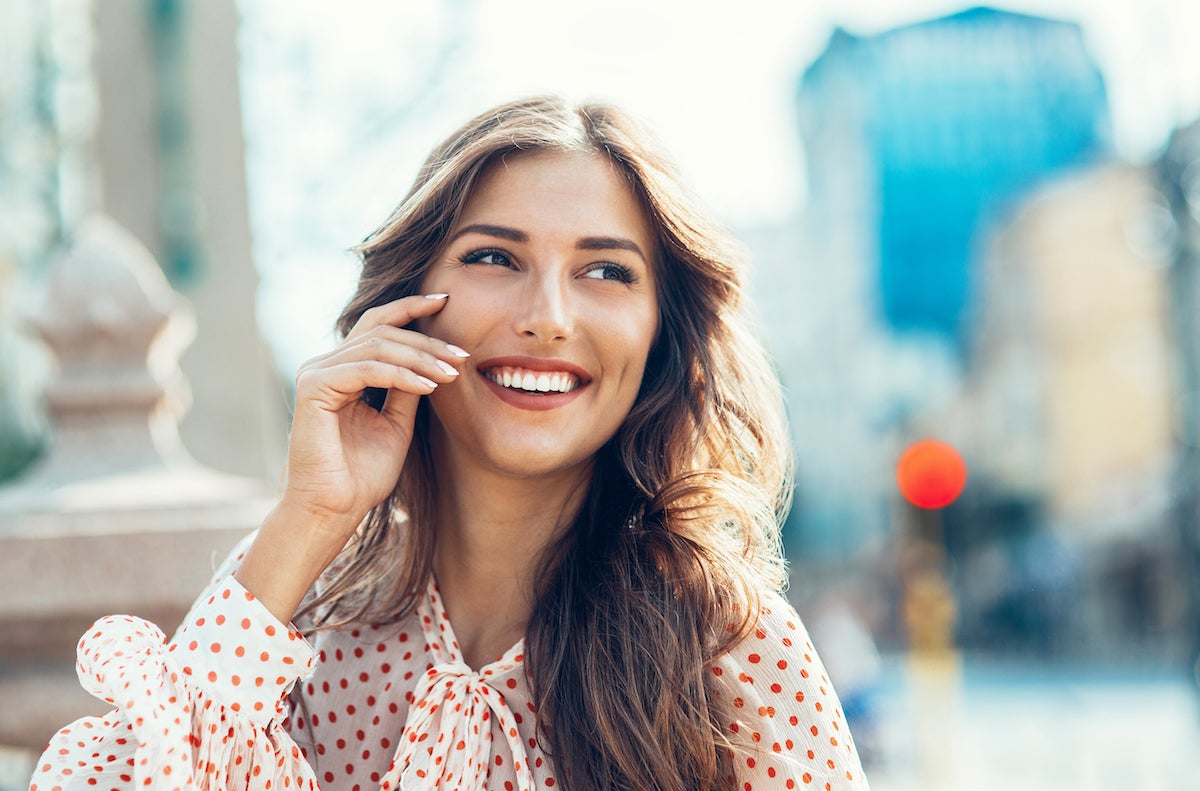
(569, 298)
(530, 523)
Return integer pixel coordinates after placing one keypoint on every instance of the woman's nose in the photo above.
(546, 312)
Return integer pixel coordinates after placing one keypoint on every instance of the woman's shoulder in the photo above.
(784, 711)
(773, 676)
(777, 639)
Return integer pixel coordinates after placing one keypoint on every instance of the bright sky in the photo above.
(715, 80)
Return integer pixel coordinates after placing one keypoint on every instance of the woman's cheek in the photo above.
(454, 322)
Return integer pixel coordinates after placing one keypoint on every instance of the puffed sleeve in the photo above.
(787, 722)
(204, 711)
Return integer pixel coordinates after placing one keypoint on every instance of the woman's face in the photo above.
(553, 292)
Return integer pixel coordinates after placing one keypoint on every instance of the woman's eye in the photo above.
(606, 271)
(495, 257)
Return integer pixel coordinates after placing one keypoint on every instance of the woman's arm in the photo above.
(787, 718)
(345, 455)
(207, 710)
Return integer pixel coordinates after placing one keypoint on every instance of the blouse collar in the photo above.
(448, 737)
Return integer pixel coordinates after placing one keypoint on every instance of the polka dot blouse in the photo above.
(238, 700)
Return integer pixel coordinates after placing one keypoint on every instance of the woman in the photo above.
(530, 519)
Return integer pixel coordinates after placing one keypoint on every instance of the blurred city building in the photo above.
(916, 139)
(973, 265)
(1179, 174)
(1067, 544)
(946, 122)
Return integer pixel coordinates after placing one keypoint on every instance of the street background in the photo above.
(973, 225)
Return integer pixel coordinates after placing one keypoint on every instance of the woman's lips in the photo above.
(533, 383)
(534, 401)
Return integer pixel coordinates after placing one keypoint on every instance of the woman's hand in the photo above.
(344, 456)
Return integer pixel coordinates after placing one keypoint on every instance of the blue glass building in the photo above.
(945, 122)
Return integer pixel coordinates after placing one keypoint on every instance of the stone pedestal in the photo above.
(116, 518)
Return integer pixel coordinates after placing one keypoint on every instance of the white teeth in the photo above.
(534, 382)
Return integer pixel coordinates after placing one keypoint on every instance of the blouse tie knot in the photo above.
(447, 738)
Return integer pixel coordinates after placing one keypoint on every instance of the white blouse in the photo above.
(238, 700)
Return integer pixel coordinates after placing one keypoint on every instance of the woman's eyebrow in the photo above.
(609, 243)
(511, 234)
(586, 243)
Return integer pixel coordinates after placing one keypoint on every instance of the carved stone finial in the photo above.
(113, 322)
(117, 330)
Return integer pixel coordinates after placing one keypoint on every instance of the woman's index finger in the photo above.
(398, 312)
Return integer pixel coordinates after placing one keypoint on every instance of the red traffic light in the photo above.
(931, 474)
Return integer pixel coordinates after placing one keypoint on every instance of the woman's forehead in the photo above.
(566, 192)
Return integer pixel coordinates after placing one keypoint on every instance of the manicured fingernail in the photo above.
(429, 382)
(457, 352)
(436, 296)
(447, 367)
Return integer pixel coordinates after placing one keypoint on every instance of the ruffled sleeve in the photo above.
(787, 722)
(204, 711)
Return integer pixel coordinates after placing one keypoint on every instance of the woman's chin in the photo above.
(533, 463)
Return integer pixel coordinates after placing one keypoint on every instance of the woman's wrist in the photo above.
(291, 550)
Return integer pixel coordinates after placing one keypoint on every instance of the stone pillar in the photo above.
(116, 517)
(170, 162)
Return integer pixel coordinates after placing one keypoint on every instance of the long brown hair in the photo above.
(661, 570)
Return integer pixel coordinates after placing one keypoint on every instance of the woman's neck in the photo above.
(492, 530)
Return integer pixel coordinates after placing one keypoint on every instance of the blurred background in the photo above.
(974, 225)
